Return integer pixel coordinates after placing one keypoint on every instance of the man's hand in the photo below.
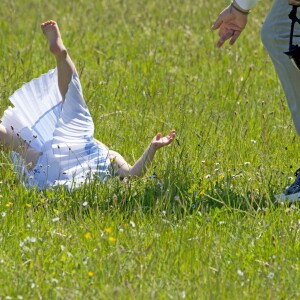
(230, 24)
(294, 2)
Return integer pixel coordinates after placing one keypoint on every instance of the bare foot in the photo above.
(51, 32)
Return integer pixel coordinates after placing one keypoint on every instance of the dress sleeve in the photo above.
(246, 4)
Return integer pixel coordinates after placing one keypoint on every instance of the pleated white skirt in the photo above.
(62, 131)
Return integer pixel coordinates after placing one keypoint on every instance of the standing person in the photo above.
(50, 129)
(275, 35)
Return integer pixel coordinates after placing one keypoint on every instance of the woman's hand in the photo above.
(160, 141)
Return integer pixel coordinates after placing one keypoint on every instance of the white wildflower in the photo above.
(31, 239)
(176, 198)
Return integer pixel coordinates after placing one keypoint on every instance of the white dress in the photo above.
(61, 131)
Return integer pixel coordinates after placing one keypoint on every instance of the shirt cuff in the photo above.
(246, 4)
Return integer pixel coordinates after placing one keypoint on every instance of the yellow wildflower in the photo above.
(112, 239)
(88, 235)
(90, 274)
(108, 229)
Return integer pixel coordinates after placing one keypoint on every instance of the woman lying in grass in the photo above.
(50, 129)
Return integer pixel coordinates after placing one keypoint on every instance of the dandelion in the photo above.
(9, 204)
(88, 235)
(207, 176)
(112, 239)
(271, 275)
(28, 205)
(90, 274)
(3, 214)
(108, 230)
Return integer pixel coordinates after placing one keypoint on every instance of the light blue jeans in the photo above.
(275, 34)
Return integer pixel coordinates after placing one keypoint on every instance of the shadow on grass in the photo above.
(150, 195)
(153, 195)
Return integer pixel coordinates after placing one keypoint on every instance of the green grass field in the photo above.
(207, 227)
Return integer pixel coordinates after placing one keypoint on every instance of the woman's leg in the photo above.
(65, 66)
(65, 70)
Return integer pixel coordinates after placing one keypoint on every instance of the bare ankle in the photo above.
(62, 54)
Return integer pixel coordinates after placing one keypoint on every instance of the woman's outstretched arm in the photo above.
(123, 169)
